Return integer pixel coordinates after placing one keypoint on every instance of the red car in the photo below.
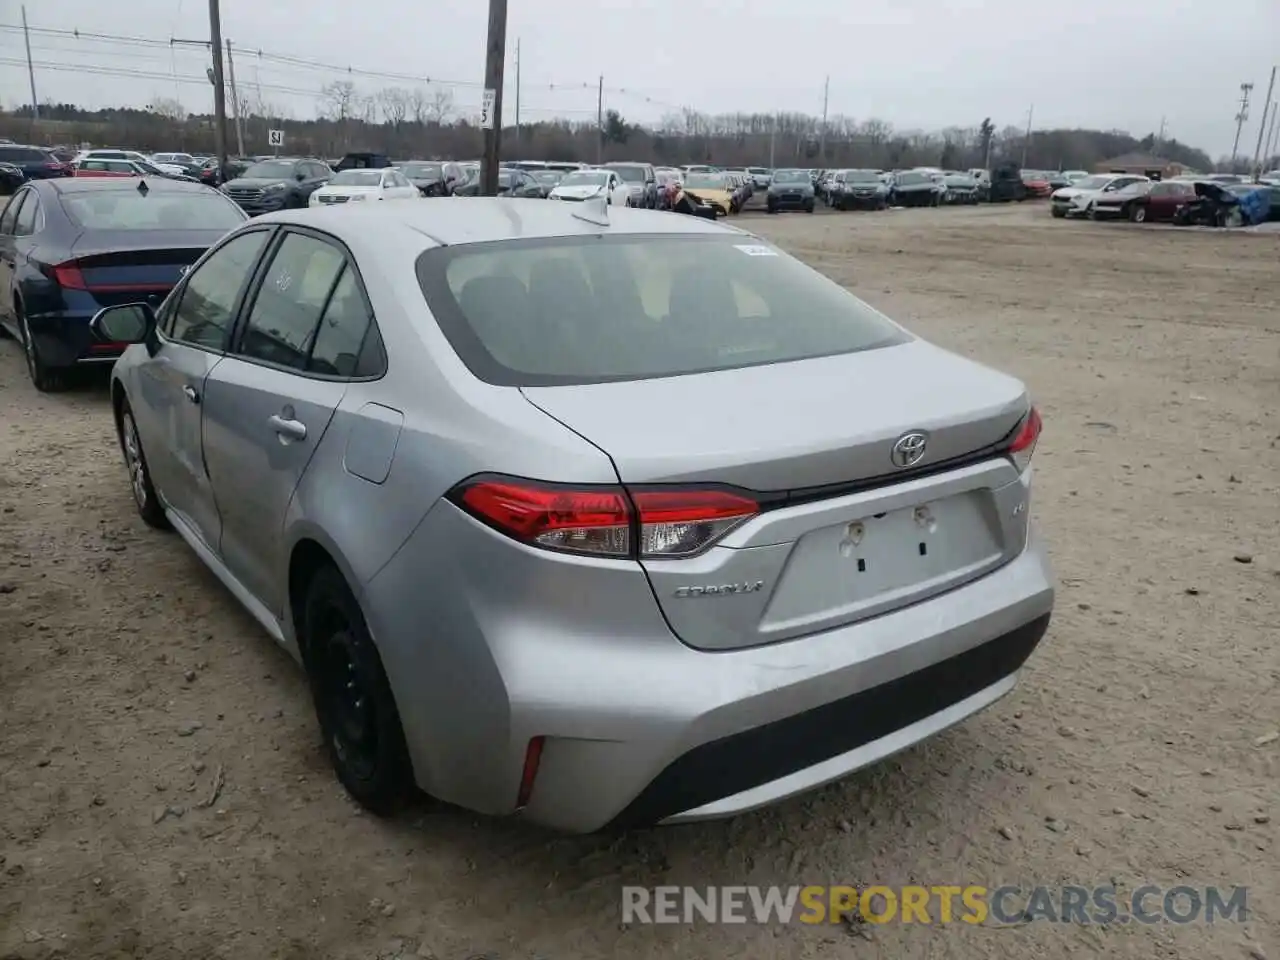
(107, 168)
(1037, 183)
(1162, 201)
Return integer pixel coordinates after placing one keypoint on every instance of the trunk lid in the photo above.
(845, 532)
(124, 266)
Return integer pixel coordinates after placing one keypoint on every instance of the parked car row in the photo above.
(1207, 201)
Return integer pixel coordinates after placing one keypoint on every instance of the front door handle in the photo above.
(189, 392)
(288, 429)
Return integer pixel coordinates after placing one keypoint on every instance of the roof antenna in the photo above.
(142, 187)
(595, 209)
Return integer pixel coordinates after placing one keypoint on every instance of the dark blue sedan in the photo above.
(70, 247)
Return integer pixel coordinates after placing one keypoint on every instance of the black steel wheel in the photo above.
(353, 700)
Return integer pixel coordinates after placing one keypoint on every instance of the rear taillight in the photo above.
(679, 523)
(1024, 440)
(68, 276)
(605, 521)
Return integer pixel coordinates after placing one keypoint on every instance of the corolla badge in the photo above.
(909, 450)
(720, 590)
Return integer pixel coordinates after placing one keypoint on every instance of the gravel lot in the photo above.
(1135, 748)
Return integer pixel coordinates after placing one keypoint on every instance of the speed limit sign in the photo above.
(275, 138)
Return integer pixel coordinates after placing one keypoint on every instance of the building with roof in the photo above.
(1144, 164)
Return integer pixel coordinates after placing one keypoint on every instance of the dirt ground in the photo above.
(1135, 749)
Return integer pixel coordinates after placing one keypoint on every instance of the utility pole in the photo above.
(1271, 133)
(235, 102)
(31, 71)
(1026, 141)
(773, 136)
(517, 92)
(1257, 151)
(219, 89)
(600, 122)
(822, 134)
(1241, 117)
(1160, 138)
(494, 65)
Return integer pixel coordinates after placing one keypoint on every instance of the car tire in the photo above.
(135, 460)
(808, 208)
(44, 378)
(770, 209)
(1092, 213)
(1138, 213)
(353, 699)
(1057, 212)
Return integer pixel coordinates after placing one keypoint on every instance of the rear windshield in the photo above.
(22, 154)
(632, 174)
(130, 210)
(589, 310)
(356, 178)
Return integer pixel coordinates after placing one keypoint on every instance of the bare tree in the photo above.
(169, 108)
(440, 106)
(395, 103)
(338, 100)
(418, 106)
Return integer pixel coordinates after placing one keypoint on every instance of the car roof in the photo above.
(101, 184)
(489, 219)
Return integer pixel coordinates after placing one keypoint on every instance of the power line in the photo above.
(263, 56)
(203, 81)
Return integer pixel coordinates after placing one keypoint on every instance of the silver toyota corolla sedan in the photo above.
(602, 517)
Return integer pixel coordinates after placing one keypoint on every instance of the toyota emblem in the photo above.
(909, 450)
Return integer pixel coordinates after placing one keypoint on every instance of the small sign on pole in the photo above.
(486, 109)
(275, 138)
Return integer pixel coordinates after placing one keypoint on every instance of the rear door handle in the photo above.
(189, 392)
(290, 429)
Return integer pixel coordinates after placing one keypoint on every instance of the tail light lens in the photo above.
(68, 276)
(680, 523)
(605, 521)
(592, 521)
(1024, 440)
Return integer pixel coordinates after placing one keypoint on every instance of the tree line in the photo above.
(407, 123)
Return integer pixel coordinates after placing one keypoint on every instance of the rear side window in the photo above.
(310, 313)
(28, 217)
(588, 310)
(290, 300)
(10, 215)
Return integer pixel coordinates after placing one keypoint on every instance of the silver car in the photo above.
(599, 516)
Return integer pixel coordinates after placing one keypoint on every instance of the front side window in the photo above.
(205, 311)
(575, 311)
(290, 301)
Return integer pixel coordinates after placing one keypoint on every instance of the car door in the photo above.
(193, 331)
(266, 409)
(8, 254)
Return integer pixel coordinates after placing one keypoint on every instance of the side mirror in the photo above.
(125, 323)
(299, 176)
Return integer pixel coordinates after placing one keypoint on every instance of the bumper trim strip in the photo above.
(740, 762)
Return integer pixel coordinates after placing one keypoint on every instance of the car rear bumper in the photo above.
(489, 644)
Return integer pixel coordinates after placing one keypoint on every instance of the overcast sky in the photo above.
(914, 63)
